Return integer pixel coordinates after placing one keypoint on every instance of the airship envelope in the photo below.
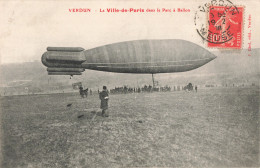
(140, 56)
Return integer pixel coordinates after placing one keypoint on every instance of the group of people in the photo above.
(83, 92)
(103, 96)
(189, 87)
(145, 88)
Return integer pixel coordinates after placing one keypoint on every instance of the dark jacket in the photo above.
(104, 102)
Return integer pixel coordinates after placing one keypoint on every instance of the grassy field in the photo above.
(211, 128)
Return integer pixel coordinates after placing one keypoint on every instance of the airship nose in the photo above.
(207, 55)
(212, 56)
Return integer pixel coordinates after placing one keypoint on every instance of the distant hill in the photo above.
(229, 67)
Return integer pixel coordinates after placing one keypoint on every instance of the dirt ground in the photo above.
(212, 128)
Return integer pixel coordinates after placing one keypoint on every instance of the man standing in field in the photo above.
(103, 96)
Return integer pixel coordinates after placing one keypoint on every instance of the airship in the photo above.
(139, 56)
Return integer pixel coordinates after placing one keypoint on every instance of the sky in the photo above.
(29, 27)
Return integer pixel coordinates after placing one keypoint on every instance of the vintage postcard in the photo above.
(167, 83)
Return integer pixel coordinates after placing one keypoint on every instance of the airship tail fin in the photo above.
(64, 60)
(68, 49)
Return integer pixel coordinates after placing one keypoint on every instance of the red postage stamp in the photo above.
(225, 26)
